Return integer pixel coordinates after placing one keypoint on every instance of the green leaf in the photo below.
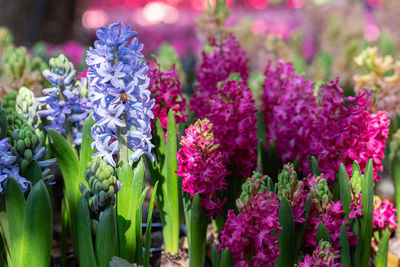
(355, 254)
(226, 258)
(367, 190)
(127, 205)
(345, 195)
(381, 255)
(214, 256)
(315, 166)
(15, 205)
(105, 238)
(322, 233)
(33, 172)
(37, 229)
(148, 229)
(138, 228)
(262, 157)
(87, 257)
(273, 161)
(286, 235)
(198, 230)
(300, 229)
(86, 152)
(345, 258)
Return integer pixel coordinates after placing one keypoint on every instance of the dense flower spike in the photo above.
(289, 112)
(232, 111)
(385, 85)
(166, 89)
(200, 164)
(9, 101)
(118, 93)
(303, 124)
(103, 185)
(27, 106)
(252, 186)
(64, 100)
(252, 235)
(14, 121)
(226, 58)
(384, 214)
(27, 147)
(293, 190)
(323, 256)
(7, 169)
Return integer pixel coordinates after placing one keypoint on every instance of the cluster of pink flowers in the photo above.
(289, 111)
(323, 256)
(303, 124)
(252, 235)
(234, 116)
(384, 214)
(166, 89)
(226, 58)
(200, 164)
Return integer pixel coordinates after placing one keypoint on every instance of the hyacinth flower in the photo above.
(377, 77)
(324, 255)
(200, 164)
(27, 106)
(252, 234)
(166, 89)
(63, 104)
(119, 95)
(326, 125)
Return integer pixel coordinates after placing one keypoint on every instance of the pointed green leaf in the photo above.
(300, 229)
(367, 190)
(355, 253)
(86, 253)
(37, 233)
(86, 152)
(105, 238)
(345, 258)
(148, 229)
(138, 229)
(226, 258)
(345, 195)
(286, 235)
(381, 255)
(214, 256)
(33, 172)
(15, 205)
(3, 123)
(322, 233)
(127, 205)
(198, 231)
(315, 166)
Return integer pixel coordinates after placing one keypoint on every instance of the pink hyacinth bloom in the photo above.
(328, 126)
(200, 164)
(323, 256)
(355, 210)
(384, 215)
(252, 235)
(166, 89)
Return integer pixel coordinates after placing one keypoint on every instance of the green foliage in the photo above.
(286, 235)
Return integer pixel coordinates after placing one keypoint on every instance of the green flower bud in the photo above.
(27, 106)
(287, 182)
(320, 193)
(251, 187)
(9, 101)
(14, 121)
(6, 38)
(103, 185)
(15, 61)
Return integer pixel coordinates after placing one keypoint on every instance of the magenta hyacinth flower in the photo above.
(200, 164)
(166, 89)
(232, 111)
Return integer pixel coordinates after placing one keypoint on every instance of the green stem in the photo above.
(123, 152)
(198, 231)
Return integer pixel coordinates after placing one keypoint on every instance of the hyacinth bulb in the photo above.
(103, 185)
(27, 147)
(27, 106)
